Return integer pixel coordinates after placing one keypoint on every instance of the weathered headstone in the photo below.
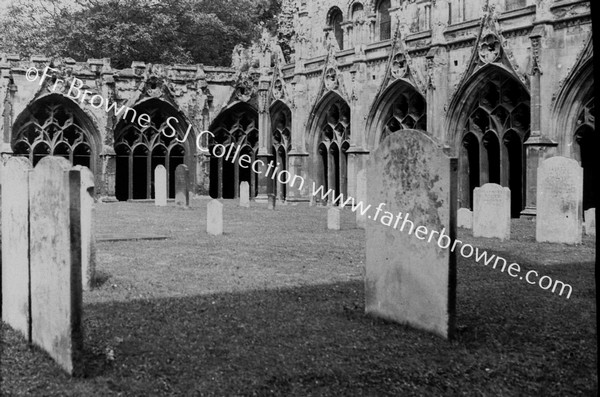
(590, 222)
(333, 218)
(409, 279)
(55, 261)
(559, 201)
(15, 244)
(491, 211)
(244, 195)
(361, 196)
(214, 218)
(182, 185)
(160, 186)
(88, 241)
(464, 218)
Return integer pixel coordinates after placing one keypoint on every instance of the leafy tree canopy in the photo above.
(154, 31)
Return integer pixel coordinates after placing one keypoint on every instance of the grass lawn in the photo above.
(275, 306)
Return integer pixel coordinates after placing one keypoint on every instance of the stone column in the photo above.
(298, 157)
(265, 144)
(537, 147)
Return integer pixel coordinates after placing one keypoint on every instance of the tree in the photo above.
(167, 31)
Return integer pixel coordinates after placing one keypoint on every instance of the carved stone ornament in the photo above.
(399, 66)
(489, 48)
(243, 91)
(331, 82)
(278, 89)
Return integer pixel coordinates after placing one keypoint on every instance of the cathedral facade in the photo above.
(500, 84)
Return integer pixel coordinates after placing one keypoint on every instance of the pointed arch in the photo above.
(140, 147)
(236, 127)
(329, 138)
(492, 109)
(281, 126)
(55, 125)
(400, 106)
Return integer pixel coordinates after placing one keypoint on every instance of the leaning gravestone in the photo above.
(182, 185)
(491, 211)
(464, 218)
(590, 222)
(361, 196)
(410, 280)
(88, 241)
(15, 245)
(214, 218)
(160, 186)
(333, 218)
(55, 261)
(559, 201)
(244, 195)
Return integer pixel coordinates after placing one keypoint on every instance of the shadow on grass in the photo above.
(317, 340)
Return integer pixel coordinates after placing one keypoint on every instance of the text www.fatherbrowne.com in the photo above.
(400, 222)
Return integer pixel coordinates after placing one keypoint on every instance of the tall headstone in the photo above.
(244, 194)
(88, 240)
(464, 218)
(590, 222)
(491, 211)
(214, 218)
(409, 279)
(55, 261)
(160, 186)
(334, 218)
(361, 196)
(15, 245)
(182, 185)
(559, 201)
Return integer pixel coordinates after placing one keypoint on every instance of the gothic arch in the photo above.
(488, 122)
(140, 149)
(236, 127)
(573, 124)
(401, 106)
(55, 125)
(329, 137)
(281, 127)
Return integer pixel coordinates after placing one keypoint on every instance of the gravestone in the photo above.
(15, 244)
(244, 195)
(590, 222)
(361, 196)
(464, 218)
(408, 279)
(182, 185)
(160, 186)
(491, 211)
(214, 218)
(88, 241)
(559, 201)
(333, 218)
(55, 261)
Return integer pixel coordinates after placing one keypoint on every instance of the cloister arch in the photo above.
(281, 125)
(401, 106)
(140, 149)
(573, 125)
(55, 125)
(235, 128)
(330, 138)
(489, 122)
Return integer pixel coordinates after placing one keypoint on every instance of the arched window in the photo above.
(335, 24)
(384, 20)
(357, 11)
(54, 126)
(587, 142)
(334, 141)
(237, 127)
(281, 124)
(492, 145)
(140, 150)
